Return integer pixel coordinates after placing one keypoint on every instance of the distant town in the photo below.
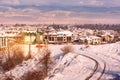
(90, 34)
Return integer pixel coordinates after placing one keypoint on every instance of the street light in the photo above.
(29, 53)
(28, 41)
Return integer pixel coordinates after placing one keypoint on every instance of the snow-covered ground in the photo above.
(79, 68)
(96, 62)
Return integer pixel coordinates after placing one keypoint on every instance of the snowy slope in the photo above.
(71, 64)
(107, 55)
(21, 71)
(75, 66)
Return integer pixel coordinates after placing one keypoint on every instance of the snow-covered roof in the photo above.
(92, 37)
(67, 33)
(82, 38)
(52, 33)
(61, 33)
(29, 31)
(8, 34)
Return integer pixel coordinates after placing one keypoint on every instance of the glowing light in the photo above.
(27, 39)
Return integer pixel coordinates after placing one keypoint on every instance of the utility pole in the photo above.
(29, 53)
(38, 40)
(8, 48)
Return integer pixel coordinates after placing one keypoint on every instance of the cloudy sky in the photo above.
(60, 11)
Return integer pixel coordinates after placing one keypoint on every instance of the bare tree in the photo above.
(16, 57)
(46, 61)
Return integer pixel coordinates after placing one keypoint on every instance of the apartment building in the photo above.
(60, 37)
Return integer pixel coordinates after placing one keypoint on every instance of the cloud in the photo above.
(72, 2)
(58, 16)
(106, 3)
(60, 11)
(9, 2)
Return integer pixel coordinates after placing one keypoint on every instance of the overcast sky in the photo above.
(60, 11)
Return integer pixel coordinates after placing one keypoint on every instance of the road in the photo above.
(96, 68)
(95, 73)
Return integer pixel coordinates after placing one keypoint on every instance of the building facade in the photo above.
(60, 37)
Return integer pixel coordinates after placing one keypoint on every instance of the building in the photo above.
(93, 40)
(29, 37)
(107, 38)
(60, 37)
(7, 38)
(3, 41)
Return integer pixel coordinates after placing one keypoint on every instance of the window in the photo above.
(59, 38)
(69, 39)
(50, 38)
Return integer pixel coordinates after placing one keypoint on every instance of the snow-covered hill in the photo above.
(71, 67)
(96, 62)
(80, 67)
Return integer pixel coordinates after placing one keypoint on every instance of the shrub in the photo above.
(67, 49)
(35, 75)
(46, 64)
(14, 57)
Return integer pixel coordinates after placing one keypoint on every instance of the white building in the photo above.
(3, 40)
(93, 40)
(7, 36)
(60, 37)
(29, 37)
